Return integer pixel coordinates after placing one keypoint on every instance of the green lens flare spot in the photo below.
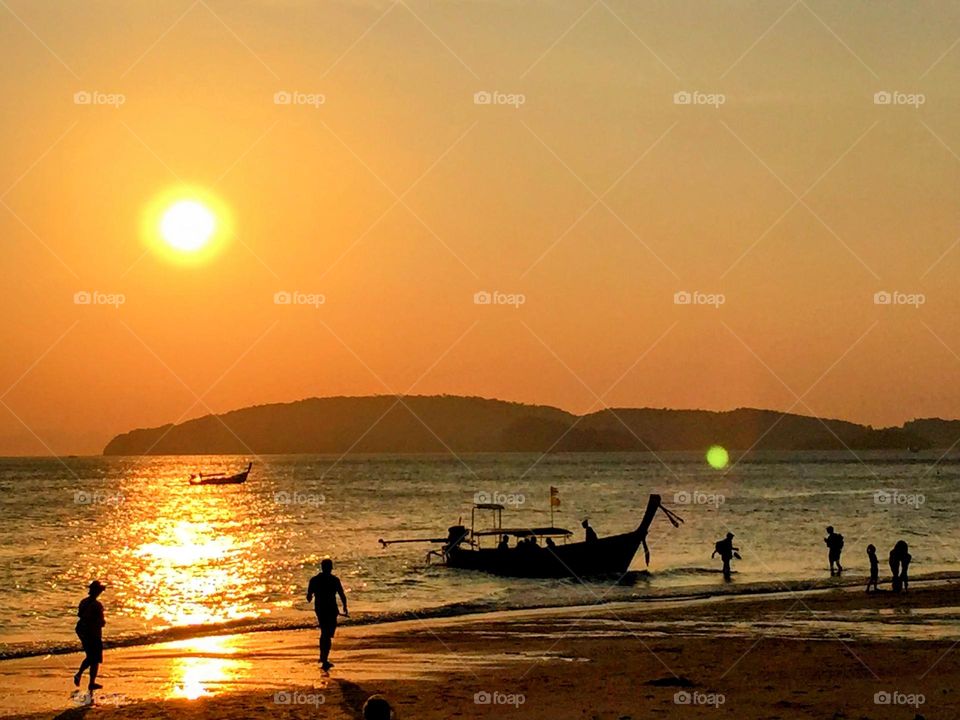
(718, 457)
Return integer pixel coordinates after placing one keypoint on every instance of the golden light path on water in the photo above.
(188, 555)
(203, 666)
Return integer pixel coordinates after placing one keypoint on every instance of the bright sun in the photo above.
(187, 225)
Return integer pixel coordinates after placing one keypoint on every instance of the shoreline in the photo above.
(478, 609)
(785, 654)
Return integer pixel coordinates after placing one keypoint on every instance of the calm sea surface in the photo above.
(178, 557)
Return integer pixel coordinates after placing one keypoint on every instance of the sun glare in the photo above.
(187, 225)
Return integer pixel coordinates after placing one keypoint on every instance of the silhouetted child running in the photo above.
(874, 568)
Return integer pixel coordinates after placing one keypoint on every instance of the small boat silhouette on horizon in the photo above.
(220, 478)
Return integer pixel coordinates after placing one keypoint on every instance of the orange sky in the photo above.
(597, 199)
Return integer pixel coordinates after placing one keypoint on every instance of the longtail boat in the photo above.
(463, 548)
(220, 478)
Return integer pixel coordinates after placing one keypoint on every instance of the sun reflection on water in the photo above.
(204, 666)
(190, 555)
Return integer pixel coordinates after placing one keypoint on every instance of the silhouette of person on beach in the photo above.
(834, 543)
(504, 543)
(90, 631)
(726, 550)
(899, 562)
(874, 578)
(377, 708)
(323, 589)
(589, 532)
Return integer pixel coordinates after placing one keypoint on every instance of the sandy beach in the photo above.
(837, 653)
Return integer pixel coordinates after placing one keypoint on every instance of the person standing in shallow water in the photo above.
(834, 543)
(726, 550)
(874, 568)
(90, 631)
(323, 590)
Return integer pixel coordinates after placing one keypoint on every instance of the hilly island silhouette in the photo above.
(443, 423)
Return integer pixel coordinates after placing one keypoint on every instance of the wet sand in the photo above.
(823, 654)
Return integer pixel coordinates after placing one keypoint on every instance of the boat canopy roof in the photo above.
(488, 506)
(526, 532)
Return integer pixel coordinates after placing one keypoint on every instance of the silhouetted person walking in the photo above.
(323, 589)
(90, 631)
(590, 533)
(834, 543)
(726, 550)
(874, 578)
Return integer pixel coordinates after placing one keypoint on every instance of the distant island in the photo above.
(441, 423)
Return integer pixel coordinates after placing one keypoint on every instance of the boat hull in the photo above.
(603, 557)
(232, 480)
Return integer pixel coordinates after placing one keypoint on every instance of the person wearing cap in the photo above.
(726, 550)
(90, 631)
(323, 590)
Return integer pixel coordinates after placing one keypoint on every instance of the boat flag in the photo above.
(554, 497)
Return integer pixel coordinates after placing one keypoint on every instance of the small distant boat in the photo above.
(914, 449)
(220, 478)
